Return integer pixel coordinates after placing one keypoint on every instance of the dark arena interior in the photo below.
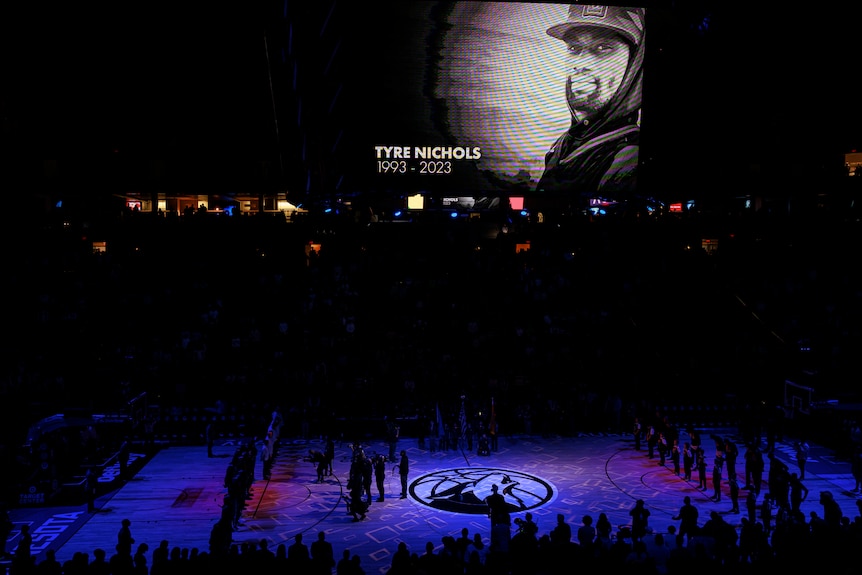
(237, 338)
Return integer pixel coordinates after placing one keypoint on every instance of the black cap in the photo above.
(628, 22)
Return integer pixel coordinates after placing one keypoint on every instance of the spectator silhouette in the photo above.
(298, 556)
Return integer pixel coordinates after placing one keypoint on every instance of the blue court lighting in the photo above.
(453, 215)
(327, 210)
(523, 212)
(397, 213)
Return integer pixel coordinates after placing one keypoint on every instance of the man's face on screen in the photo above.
(597, 59)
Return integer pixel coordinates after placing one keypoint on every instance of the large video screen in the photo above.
(468, 98)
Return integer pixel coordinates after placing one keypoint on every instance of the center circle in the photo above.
(464, 489)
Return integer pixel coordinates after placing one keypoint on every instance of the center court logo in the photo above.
(464, 489)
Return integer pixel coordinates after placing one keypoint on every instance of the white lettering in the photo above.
(51, 528)
(428, 152)
(112, 472)
(390, 152)
(447, 153)
(44, 539)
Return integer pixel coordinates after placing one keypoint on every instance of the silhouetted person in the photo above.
(802, 450)
(380, 476)
(751, 506)
(266, 460)
(298, 556)
(562, 531)
(356, 566)
(832, 513)
(91, 482)
(210, 438)
(367, 471)
(322, 555)
(392, 433)
(778, 480)
(22, 561)
(734, 494)
(640, 520)
(162, 552)
(49, 565)
(700, 461)
(687, 460)
(319, 459)
(344, 565)
(401, 562)
(717, 464)
(121, 563)
(687, 517)
(498, 511)
(125, 539)
(221, 537)
(754, 466)
(587, 535)
(403, 470)
(731, 453)
(329, 454)
(798, 492)
(100, 565)
(356, 506)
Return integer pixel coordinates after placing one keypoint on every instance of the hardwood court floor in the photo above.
(176, 496)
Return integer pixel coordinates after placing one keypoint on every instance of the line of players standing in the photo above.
(786, 491)
(239, 479)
